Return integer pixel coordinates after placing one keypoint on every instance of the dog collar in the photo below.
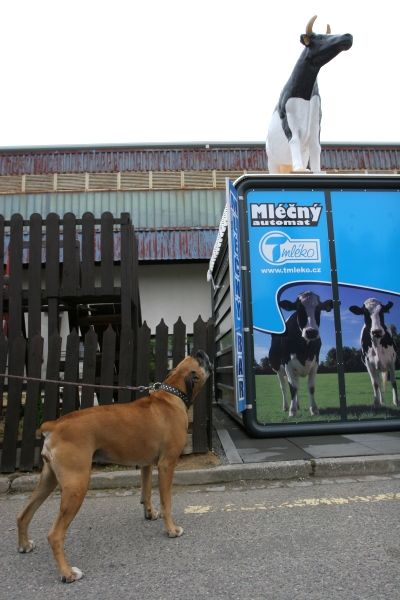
(173, 390)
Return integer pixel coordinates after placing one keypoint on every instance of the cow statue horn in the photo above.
(310, 24)
(328, 29)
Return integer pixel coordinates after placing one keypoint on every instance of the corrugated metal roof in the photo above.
(230, 157)
(152, 209)
(161, 245)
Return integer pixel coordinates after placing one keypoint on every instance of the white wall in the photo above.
(170, 291)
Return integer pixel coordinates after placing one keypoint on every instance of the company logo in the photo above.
(284, 215)
(277, 248)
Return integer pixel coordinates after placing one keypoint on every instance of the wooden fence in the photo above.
(86, 269)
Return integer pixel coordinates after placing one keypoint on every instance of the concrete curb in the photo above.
(268, 471)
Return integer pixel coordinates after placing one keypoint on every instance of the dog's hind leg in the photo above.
(74, 486)
(165, 476)
(46, 485)
(146, 476)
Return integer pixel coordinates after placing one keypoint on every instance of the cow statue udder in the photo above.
(293, 140)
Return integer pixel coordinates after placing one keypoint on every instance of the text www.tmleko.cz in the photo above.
(291, 270)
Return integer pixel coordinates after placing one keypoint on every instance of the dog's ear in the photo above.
(190, 381)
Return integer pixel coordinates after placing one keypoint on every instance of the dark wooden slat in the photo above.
(210, 383)
(107, 365)
(179, 342)
(13, 412)
(52, 390)
(35, 354)
(15, 282)
(3, 364)
(161, 357)
(71, 373)
(107, 253)
(88, 242)
(200, 410)
(1, 269)
(89, 368)
(34, 275)
(52, 272)
(125, 364)
(143, 358)
(70, 271)
(126, 272)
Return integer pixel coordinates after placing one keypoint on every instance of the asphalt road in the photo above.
(316, 541)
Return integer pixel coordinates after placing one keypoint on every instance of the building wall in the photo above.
(174, 290)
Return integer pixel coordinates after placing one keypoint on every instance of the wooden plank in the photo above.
(35, 354)
(34, 275)
(71, 261)
(143, 358)
(13, 412)
(52, 271)
(89, 368)
(125, 364)
(1, 270)
(107, 365)
(179, 342)
(88, 256)
(52, 390)
(71, 373)
(126, 273)
(15, 281)
(3, 365)
(161, 358)
(200, 410)
(107, 253)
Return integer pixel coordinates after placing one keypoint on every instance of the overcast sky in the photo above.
(155, 71)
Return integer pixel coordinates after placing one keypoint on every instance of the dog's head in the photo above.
(191, 373)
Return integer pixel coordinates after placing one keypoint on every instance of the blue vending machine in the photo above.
(306, 303)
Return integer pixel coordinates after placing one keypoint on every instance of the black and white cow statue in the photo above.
(293, 140)
(295, 353)
(378, 350)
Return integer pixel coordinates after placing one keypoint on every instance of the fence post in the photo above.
(35, 354)
(179, 342)
(161, 369)
(13, 414)
(200, 406)
(107, 365)
(143, 358)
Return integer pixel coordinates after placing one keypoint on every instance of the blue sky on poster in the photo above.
(128, 71)
(351, 324)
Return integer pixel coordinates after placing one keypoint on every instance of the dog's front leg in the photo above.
(149, 511)
(166, 469)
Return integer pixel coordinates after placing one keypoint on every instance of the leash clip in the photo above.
(156, 385)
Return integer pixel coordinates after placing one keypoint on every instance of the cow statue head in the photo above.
(293, 143)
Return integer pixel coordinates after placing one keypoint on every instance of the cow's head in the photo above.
(308, 307)
(321, 48)
(373, 312)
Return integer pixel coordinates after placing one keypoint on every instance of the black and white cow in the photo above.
(293, 139)
(295, 353)
(378, 351)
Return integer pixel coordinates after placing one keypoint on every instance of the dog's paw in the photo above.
(151, 515)
(73, 576)
(175, 532)
(28, 547)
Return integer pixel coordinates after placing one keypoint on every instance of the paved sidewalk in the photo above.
(242, 458)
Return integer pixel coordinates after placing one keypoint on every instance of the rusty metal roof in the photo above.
(165, 244)
(249, 157)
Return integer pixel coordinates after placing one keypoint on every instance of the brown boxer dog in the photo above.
(149, 431)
